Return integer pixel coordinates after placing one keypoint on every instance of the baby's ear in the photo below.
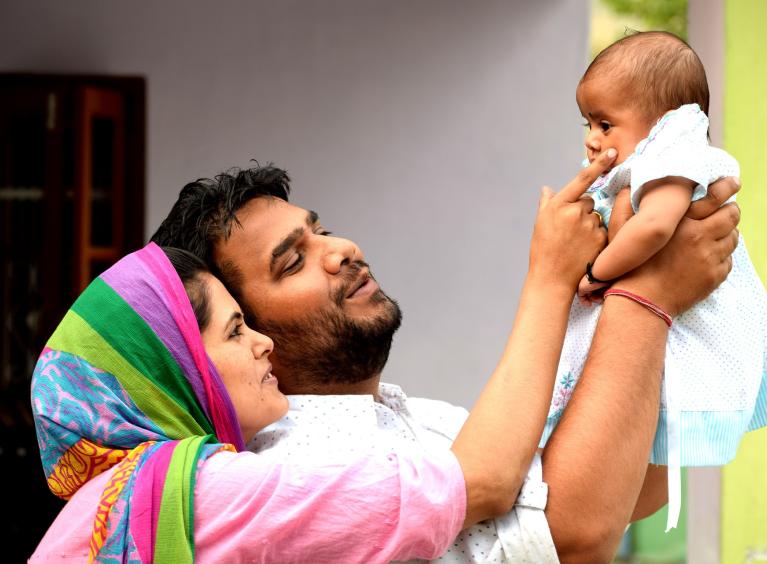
(622, 212)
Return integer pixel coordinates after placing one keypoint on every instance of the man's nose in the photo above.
(339, 252)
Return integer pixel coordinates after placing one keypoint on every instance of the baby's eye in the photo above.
(605, 126)
(586, 124)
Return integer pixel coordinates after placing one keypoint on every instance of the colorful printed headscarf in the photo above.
(124, 380)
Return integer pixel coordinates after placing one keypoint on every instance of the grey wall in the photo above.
(421, 129)
(705, 26)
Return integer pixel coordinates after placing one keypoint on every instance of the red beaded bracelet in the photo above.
(641, 301)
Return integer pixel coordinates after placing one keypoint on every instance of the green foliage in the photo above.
(667, 15)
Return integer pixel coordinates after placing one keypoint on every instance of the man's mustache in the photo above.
(349, 278)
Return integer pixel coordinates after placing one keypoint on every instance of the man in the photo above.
(332, 326)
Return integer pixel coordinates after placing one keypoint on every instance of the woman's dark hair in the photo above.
(189, 268)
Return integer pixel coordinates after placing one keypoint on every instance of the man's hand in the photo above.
(566, 234)
(698, 257)
(718, 193)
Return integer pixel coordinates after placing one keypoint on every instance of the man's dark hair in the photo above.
(189, 268)
(206, 208)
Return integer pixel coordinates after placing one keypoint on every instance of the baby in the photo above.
(646, 96)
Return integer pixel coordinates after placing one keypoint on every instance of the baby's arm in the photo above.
(663, 205)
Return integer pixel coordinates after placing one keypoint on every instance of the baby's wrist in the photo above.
(593, 277)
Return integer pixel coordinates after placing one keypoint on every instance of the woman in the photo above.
(143, 431)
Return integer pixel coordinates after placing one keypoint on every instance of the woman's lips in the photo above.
(269, 378)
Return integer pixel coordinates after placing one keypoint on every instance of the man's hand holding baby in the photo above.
(698, 257)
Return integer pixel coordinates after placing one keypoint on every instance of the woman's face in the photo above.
(242, 358)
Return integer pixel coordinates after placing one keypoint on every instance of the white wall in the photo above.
(421, 129)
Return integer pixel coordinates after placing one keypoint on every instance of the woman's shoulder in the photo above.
(69, 535)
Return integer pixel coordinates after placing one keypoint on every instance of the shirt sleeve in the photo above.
(373, 508)
(678, 146)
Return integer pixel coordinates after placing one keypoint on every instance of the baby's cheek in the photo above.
(622, 156)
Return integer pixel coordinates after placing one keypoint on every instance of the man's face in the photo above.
(311, 292)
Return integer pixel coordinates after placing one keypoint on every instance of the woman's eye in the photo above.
(236, 332)
(605, 126)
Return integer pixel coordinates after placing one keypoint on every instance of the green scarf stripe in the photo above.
(76, 337)
(192, 483)
(174, 542)
(119, 324)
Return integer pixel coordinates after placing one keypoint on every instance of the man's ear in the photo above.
(622, 212)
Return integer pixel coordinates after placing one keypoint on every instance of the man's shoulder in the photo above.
(394, 394)
(435, 406)
(437, 415)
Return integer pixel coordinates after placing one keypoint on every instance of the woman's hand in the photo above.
(566, 234)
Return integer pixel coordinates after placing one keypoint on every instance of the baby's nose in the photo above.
(592, 142)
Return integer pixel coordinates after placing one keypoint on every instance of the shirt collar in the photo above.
(389, 395)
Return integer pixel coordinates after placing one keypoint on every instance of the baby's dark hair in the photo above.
(658, 71)
(189, 268)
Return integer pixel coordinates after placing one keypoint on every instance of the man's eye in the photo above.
(322, 231)
(605, 126)
(293, 264)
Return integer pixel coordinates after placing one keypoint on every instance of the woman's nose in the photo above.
(261, 344)
(339, 252)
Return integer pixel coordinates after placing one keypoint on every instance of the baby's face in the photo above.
(611, 119)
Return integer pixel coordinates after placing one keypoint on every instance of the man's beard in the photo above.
(328, 347)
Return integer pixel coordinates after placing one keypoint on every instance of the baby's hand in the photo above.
(588, 292)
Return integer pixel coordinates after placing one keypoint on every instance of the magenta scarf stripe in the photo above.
(147, 499)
